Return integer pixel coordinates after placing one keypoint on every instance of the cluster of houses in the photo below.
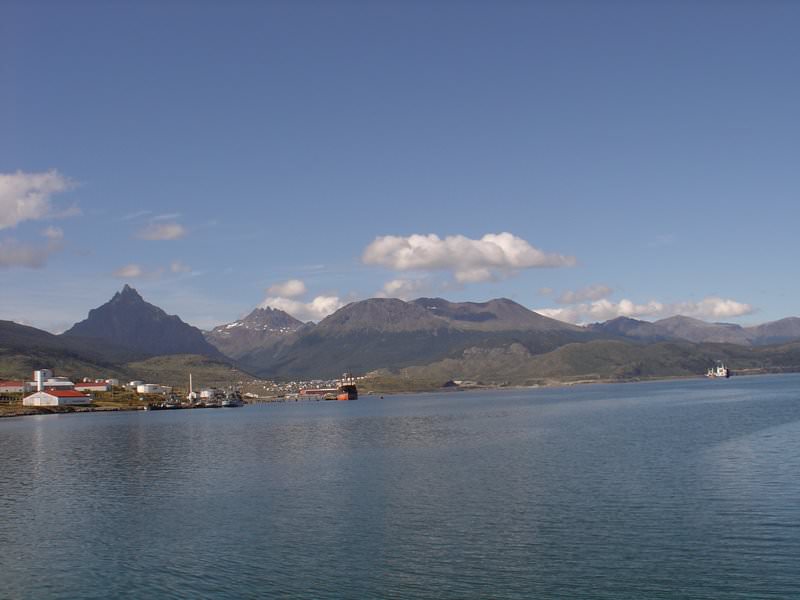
(47, 389)
(292, 389)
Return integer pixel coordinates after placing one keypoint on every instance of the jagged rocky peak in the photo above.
(131, 322)
(127, 294)
(262, 328)
(263, 319)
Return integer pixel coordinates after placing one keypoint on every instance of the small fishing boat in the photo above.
(233, 399)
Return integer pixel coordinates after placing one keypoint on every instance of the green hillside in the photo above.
(601, 360)
(174, 370)
(24, 349)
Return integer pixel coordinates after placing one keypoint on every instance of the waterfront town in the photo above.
(47, 389)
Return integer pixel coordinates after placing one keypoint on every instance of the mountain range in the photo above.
(125, 338)
(391, 333)
(435, 338)
(697, 331)
(430, 339)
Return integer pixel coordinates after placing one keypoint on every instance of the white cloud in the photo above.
(711, 308)
(405, 289)
(162, 231)
(491, 257)
(26, 196)
(129, 272)
(714, 308)
(135, 271)
(592, 292)
(30, 255)
(316, 310)
(53, 233)
(287, 289)
(177, 266)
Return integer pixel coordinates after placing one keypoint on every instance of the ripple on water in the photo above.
(666, 490)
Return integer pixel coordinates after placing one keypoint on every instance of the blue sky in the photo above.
(641, 155)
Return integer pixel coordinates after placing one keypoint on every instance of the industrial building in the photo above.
(53, 391)
(56, 398)
(92, 386)
(152, 388)
(10, 387)
(46, 379)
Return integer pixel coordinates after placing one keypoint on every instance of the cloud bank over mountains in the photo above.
(314, 310)
(710, 308)
(493, 257)
(287, 289)
(286, 295)
(405, 289)
(422, 264)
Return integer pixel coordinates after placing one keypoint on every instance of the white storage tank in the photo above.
(151, 388)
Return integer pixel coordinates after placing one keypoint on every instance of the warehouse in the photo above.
(56, 398)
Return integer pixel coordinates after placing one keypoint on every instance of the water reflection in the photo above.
(659, 490)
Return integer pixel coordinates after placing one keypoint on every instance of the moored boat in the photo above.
(233, 399)
(347, 389)
(719, 372)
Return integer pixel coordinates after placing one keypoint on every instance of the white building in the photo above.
(91, 386)
(152, 388)
(15, 386)
(56, 398)
(45, 379)
(43, 374)
(57, 383)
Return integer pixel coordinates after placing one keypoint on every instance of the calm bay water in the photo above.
(659, 490)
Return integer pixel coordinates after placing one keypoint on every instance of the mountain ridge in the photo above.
(497, 340)
(262, 328)
(682, 327)
(379, 333)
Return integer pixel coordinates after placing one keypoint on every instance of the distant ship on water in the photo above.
(345, 390)
(720, 371)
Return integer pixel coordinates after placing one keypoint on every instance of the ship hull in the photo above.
(347, 392)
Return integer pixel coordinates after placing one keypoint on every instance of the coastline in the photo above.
(28, 411)
(32, 411)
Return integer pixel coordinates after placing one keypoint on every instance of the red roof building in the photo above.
(13, 386)
(57, 398)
